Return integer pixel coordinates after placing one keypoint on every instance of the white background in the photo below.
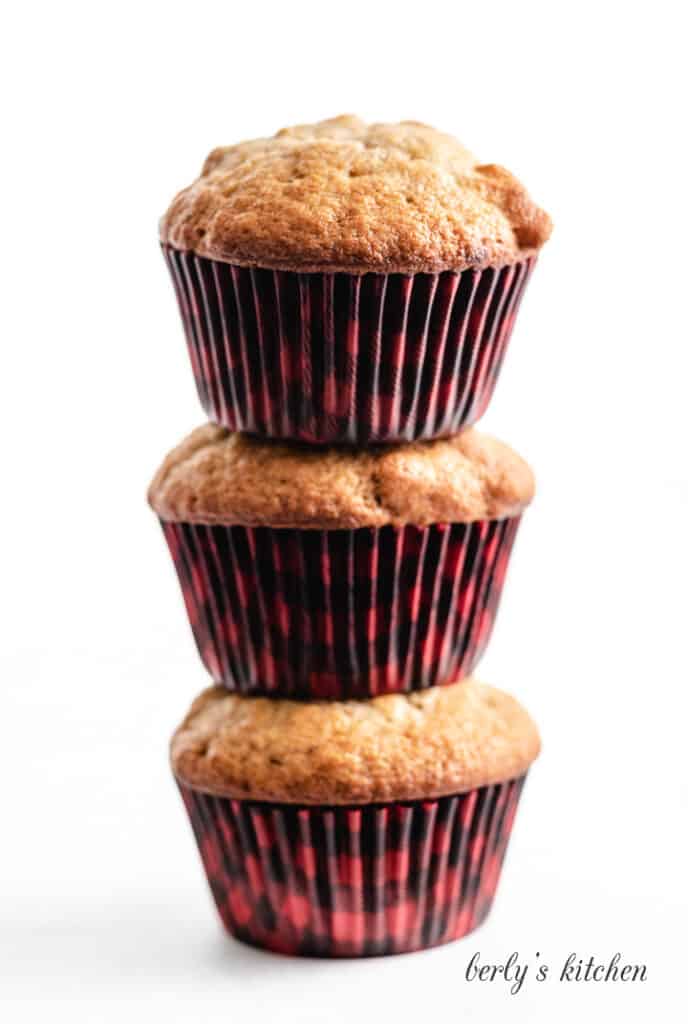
(108, 111)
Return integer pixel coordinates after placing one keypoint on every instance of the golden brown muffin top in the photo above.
(448, 739)
(215, 476)
(343, 195)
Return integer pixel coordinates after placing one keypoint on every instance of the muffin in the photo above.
(334, 572)
(346, 282)
(354, 828)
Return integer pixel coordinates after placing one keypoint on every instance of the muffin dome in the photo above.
(215, 476)
(342, 195)
(442, 741)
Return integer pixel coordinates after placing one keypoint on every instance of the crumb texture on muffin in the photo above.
(343, 195)
(447, 739)
(215, 476)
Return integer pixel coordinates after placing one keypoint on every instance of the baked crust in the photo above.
(215, 476)
(342, 195)
(447, 739)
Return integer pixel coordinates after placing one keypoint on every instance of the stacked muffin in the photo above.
(342, 534)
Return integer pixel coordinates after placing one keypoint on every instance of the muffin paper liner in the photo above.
(328, 358)
(354, 881)
(341, 614)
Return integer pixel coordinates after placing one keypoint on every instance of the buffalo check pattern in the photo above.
(343, 358)
(354, 881)
(339, 614)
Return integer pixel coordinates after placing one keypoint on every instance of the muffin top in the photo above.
(342, 195)
(215, 476)
(447, 739)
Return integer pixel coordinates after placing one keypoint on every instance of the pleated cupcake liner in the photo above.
(354, 881)
(339, 614)
(341, 358)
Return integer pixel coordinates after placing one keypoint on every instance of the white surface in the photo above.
(103, 907)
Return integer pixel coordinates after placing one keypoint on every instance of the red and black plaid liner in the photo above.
(328, 358)
(354, 881)
(316, 614)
